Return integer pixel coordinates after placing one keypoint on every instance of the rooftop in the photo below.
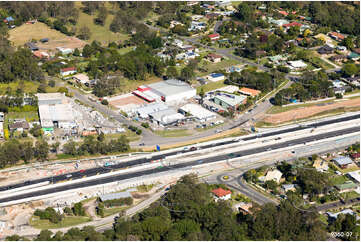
(220, 192)
(249, 91)
(111, 196)
(232, 100)
(343, 160)
(346, 185)
(197, 111)
(170, 87)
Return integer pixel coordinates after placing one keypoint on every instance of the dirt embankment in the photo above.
(305, 112)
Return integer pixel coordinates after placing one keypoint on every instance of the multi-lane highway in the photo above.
(140, 161)
(212, 159)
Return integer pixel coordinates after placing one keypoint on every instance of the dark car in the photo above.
(193, 148)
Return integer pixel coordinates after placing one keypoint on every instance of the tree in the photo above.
(187, 74)
(41, 150)
(87, 51)
(76, 52)
(172, 72)
(55, 147)
(45, 235)
(84, 33)
(351, 69)
(102, 16)
(78, 209)
(104, 102)
(36, 131)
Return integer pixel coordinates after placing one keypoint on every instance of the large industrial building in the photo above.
(169, 91)
(54, 111)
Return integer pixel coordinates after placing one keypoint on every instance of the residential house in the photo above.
(19, 125)
(2, 117)
(178, 43)
(340, 90)
(174, 23)
(320, 165)
(67, 71)
(278, 22)
(288, 187)
(214, 58)
(191, 3)
(222, 194)
(293, 24)
(342, 161)
(243, 207)
(32, 46)
(82, 79)
(277, 58)
(212, 15)
(1, 129)
(214, 77)
(233, 69)
(274, 175)
(341, 48)
(354, 56)
(260, 53)
(297, 65)
(197, 17)
(325, 50)
(64, 51)
(197, 26)
(337, 36)
(339, 58)
(348, 186)
(249, 91)
(41, 54)
(214, 37)
(333, 216)
(355, 156)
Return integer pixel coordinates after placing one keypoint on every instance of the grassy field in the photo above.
(98, 32)
(127, 85)
(211, 86)
(114, 210)
(131, 136)
(29, 116)
(338, 180)
(26, 32)
(66, 222)
(174, 133)
(28, 87)
(212, 67)
(123, 51)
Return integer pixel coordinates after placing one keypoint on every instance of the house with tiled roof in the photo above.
(214, 58)
(222, 194)
(214, 37)
(337, 36)
(293, 24)
(249, 91)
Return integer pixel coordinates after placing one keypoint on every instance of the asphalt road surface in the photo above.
(103, 170)
(187, 165)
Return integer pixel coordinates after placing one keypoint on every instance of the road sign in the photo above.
(158, 148)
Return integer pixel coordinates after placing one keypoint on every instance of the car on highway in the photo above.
(269, 149)
(193, 148)
(69, 175)
(278, 138)
(82, 171)
(186, 148)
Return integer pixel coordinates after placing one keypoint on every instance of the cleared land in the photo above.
(309, 111)
(38, 223)
(27, 32)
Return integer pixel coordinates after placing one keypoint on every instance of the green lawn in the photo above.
(322, 63)
(127, 85)
(114, 210)
(173, 133)
(98, 32)
(338, 180)
(211, 86)
(29, 116)
(66, 222)
(123, 51)
(131, 136)
(28, 87)
(212, 67)
(349, 195)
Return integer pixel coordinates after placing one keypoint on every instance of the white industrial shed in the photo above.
(166, 117)
(173, 91)
(198, 112)
(143, 112)
(56, 115)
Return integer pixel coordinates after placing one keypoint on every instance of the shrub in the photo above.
(145, 125)
(105, 102)
(138, 132)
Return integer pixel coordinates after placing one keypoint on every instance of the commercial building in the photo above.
(198, 112)
(54, 111)
(112, 196)
(342, 161)
(170, 91)
(229, 101)
(166, 117)
(354, 175)
(143, 112)
(64, 51)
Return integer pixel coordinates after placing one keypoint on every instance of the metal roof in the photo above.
(111, 196)
(170, 87)
(343, 160)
